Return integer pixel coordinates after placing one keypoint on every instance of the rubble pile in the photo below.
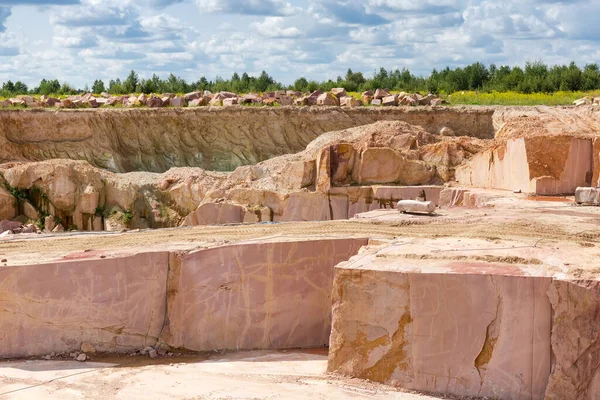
(336, 97)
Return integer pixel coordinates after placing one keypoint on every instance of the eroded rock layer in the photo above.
(211, 138)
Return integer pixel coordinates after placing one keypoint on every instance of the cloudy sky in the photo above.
(81, 40)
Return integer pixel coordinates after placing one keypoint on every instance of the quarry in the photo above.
(258, 252)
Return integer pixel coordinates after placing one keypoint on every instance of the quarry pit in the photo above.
(261, 249)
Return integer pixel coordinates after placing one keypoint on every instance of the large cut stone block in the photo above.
(116, 304)
(541, 164)
(458, 332)
(267, 295)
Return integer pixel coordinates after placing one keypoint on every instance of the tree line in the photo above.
(535, 77)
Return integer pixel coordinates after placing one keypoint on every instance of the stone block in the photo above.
(268, 295)
(115, 304)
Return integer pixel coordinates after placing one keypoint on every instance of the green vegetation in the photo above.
(535, 83)
(20, 194)
(517, 99)
(127, 217)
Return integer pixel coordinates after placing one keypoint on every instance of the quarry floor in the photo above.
(565, 236)
(540, 221)
(243, 375)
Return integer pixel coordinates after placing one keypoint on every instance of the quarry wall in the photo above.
(264, 294)
(221, 139)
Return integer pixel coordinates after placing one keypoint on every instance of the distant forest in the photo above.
(536, 77)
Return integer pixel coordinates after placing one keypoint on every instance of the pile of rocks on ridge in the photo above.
(336, 97)
(586, 101)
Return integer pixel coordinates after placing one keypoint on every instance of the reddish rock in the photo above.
(327, 99)
(201, 101)
(154, 102)
(92, 103)
(408, 101)
(350, 101)
(311, 100)
(381, 93)
(339, 92)
(286, 100)
(7, 225)
(177, 101)
(231, 101)
(250, 98)
(303, 101)
(192, 96)
(391, 100)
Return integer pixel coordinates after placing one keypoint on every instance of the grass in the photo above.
(516, 99)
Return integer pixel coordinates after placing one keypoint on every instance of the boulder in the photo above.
(311, 100)
(201, 101)
(426, 101)
(154, 102)
(230, 101)
(339, 92)
(366, 99)
(391, 100)
(30, 211)
(302, 101)
(286, 100)
(250, 98)
(587, 196)
(376, 102)
(177, 101)
(350, 101)
(49, 223)
(16, 102)
(381, 93)
(8, 204)
(583, 101)
(327, 99)
(58, 229)
(408, 101)
(8, 225)
(192, 96)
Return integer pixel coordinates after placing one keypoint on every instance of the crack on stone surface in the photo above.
(491, 337)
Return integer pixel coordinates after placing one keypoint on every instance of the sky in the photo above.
(78, 41)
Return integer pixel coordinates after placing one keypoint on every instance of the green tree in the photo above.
(98, 86)
(130, 84)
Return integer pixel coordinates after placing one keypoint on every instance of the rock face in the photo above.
(256, 295)
(467, 327)
(117, 304)
(85, 198)
(539, 164)
(214, 139)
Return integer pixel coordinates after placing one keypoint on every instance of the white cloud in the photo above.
(288, 38)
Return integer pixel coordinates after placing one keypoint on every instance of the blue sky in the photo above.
(81, 40)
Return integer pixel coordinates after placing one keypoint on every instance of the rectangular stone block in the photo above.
(116, 304)
(260, 295)
(466, 334)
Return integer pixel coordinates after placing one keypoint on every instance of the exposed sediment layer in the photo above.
(466, 318)
(211, 138)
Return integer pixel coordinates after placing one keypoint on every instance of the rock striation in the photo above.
(154, 140)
